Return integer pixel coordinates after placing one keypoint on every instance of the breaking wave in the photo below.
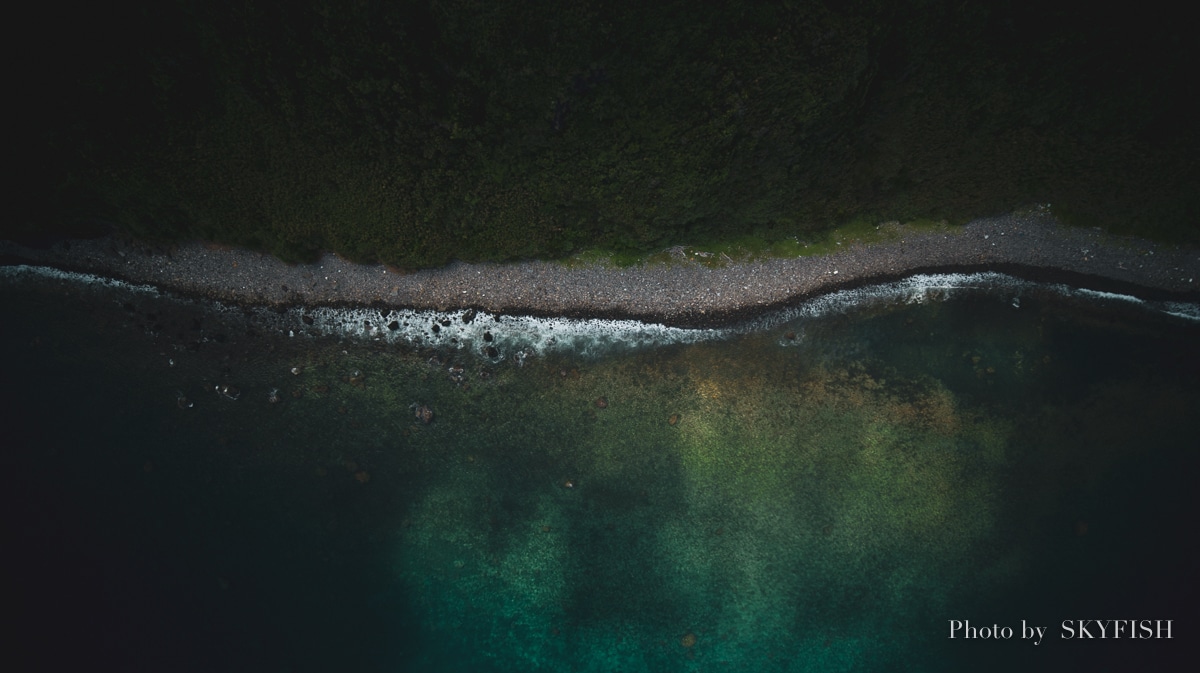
(504, 337)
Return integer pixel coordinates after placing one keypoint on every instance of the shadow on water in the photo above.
(820, 496)
(153, 540)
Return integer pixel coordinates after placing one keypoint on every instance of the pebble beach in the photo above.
(691, 289)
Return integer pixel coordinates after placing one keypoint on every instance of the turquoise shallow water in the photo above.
(825, 493)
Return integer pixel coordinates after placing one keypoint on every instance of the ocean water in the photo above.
(830, 488)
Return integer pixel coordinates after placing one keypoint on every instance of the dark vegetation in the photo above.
(419, 132)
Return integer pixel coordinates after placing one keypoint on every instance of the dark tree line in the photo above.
(419, 132)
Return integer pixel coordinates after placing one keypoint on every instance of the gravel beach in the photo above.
(689, 291)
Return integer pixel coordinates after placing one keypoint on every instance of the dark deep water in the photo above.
(827, 502)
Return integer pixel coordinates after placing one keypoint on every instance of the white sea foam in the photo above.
(1176, 309)
(506, 337)
(25, 271)
(479, 331)
(1111, 296)
(1182, 310)
(915, 289)
(470, 330)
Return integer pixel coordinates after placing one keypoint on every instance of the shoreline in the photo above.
(684, 293)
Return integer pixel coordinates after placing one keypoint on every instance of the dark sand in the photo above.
(688, 291)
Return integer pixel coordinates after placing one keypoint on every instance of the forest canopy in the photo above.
(415, 133)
